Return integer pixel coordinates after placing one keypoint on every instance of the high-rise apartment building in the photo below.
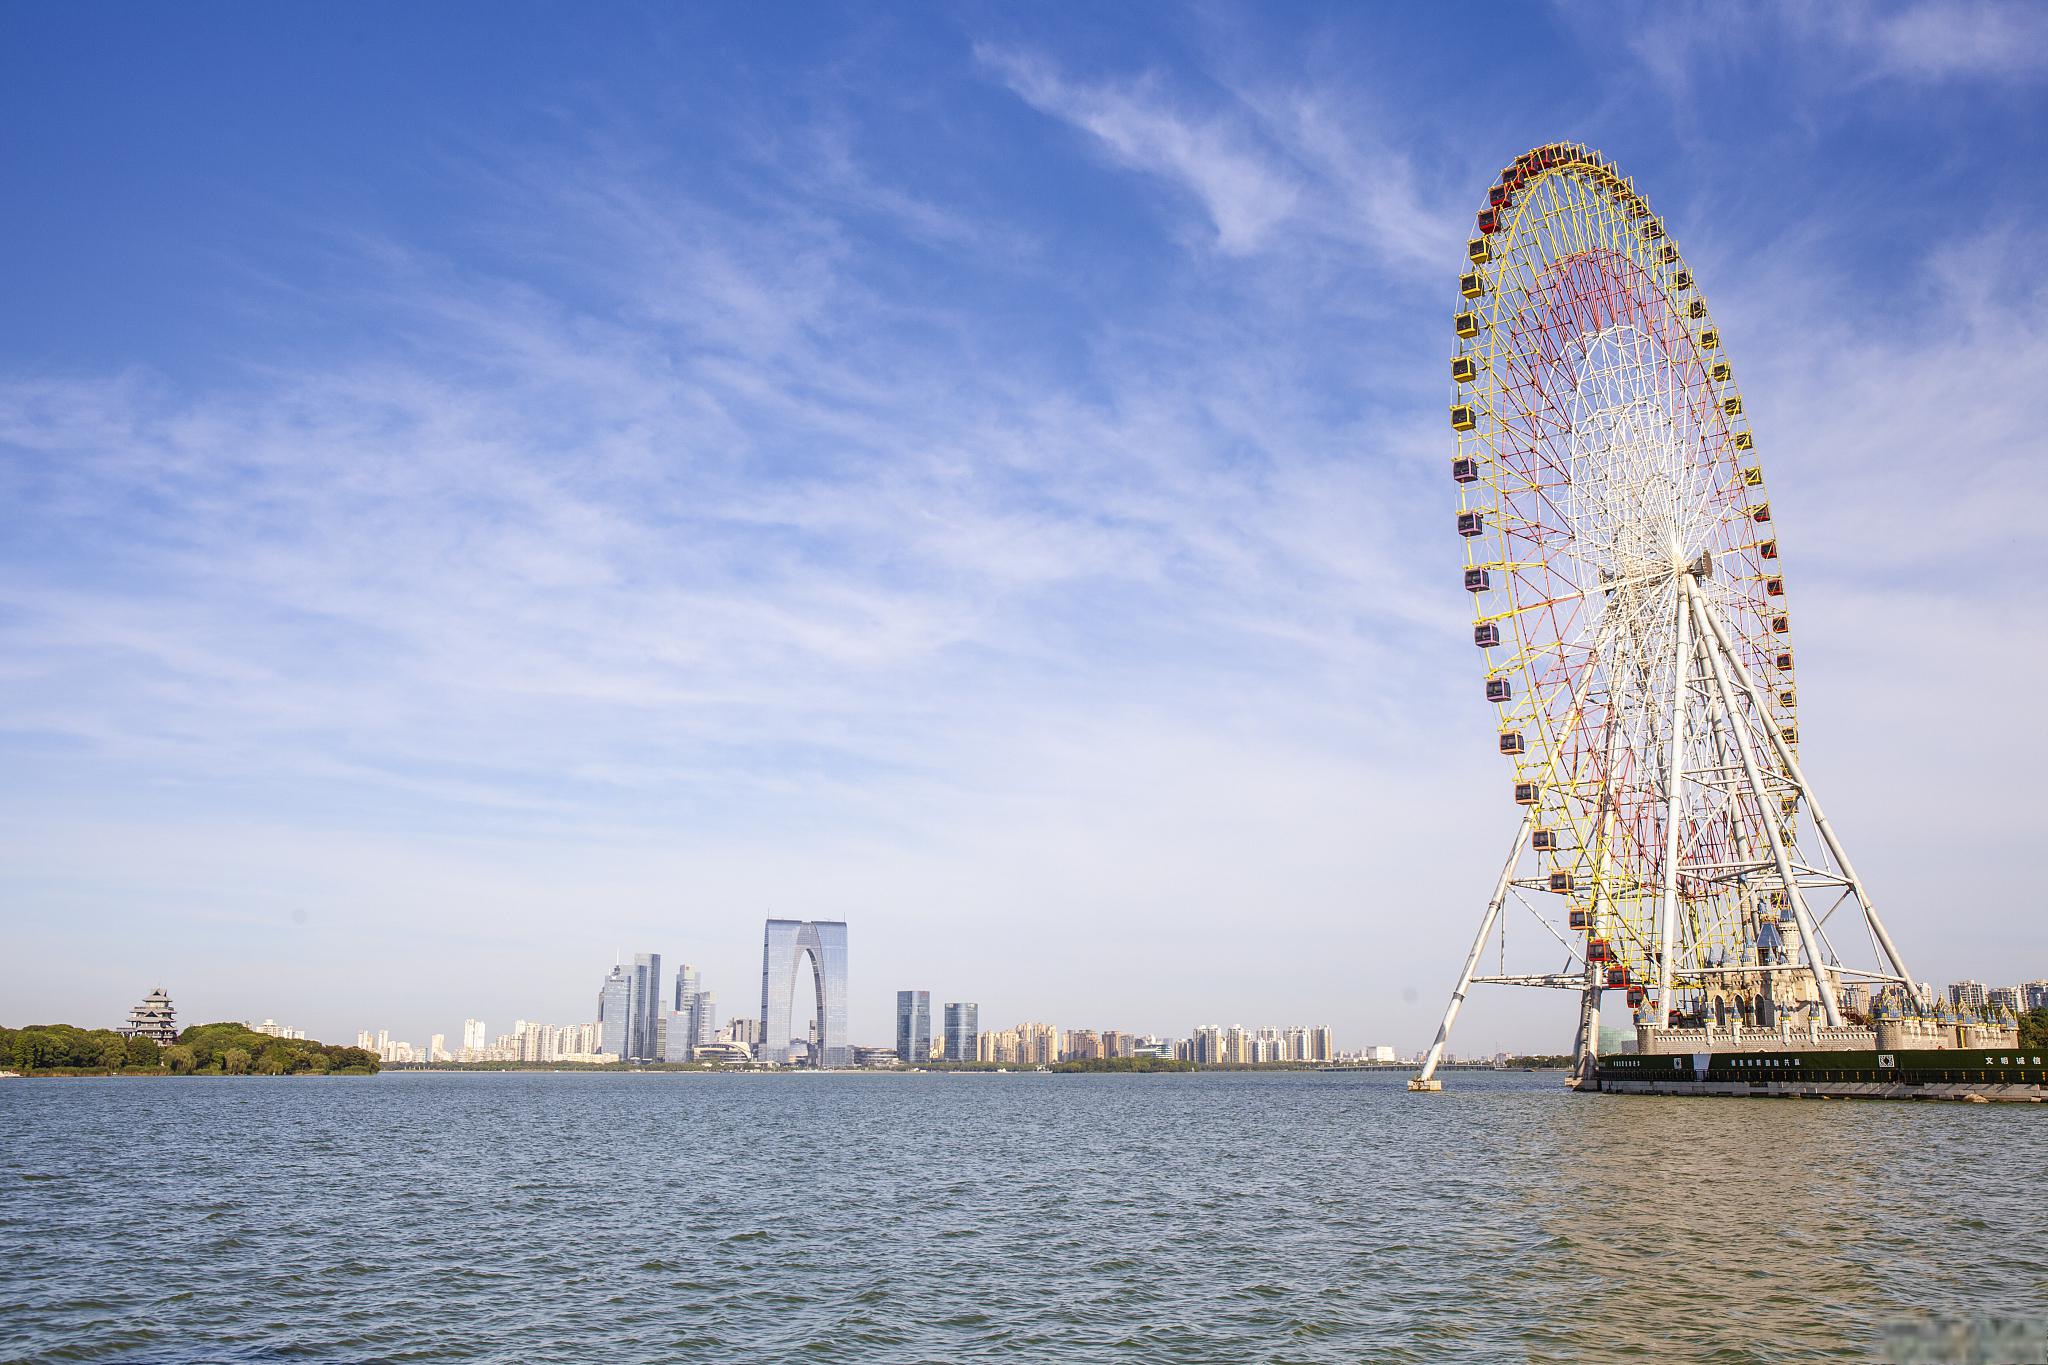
(1082, 1045)
(2004, 997)
(531, 1041)
(1042, 1044)
(913, 1027)
(473, 1035)
(1024, 1045)
(582, 1040)
(2034, 995)
(1967, 995)
(1322, 1045)
(962, 1031)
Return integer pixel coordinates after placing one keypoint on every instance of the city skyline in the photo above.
(1026, 1044)
(960, 1039)
(2018, 995)
(1010, 523)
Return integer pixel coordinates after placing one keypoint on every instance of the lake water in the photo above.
(1198, 1218)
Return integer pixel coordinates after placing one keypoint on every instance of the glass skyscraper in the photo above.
(694, 1018)
(643, 1041)
(615, 1013)
(913, 1026)
(629, 1014)
(785, 943)
(963, 1032)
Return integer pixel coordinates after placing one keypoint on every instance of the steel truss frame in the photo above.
(1713, 695)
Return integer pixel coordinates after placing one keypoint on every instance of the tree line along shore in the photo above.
(201, 1050)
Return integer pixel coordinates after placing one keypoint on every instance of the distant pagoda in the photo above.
(155, 1019)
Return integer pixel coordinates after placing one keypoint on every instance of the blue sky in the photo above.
(491, 486)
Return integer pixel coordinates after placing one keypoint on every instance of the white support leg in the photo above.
(1820, 820)
(1733, 716)
(1586, 1046)
(1426, 1078)
(1681, 682)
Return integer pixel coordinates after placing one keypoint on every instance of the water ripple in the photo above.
(1273, 1218)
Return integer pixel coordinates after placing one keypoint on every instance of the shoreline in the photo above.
(173, 1075)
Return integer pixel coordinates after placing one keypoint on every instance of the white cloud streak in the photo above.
(1270, 168)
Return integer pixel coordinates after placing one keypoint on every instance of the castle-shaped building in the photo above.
(155, 1019)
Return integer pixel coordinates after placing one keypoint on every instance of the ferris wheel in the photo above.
(1633, 626)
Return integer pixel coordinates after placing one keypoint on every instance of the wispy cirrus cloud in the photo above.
(1937, 42)
(1266, 163)
(1694, 50)
(1243, 188)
